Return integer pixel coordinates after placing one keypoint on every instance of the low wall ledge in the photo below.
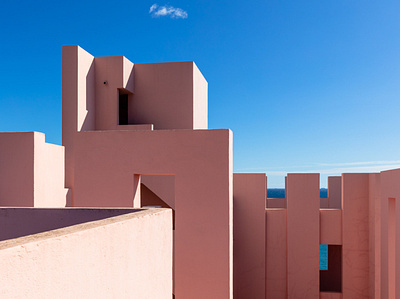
(134, 214)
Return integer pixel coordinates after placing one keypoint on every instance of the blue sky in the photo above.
(306, 86)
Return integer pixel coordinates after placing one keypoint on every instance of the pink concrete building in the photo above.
(141, 201)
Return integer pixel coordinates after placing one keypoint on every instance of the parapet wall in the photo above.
(19, 222)
(127, 256)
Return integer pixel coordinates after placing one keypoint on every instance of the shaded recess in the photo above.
(149, 198)
(123, 108)
(330, 280)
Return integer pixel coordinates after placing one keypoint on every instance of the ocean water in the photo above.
(323, 257)
(323, 248)
(280, 193)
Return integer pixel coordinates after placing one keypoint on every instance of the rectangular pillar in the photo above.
(374, 235)
(355, 234)
(392, 247)
(249, 193)
(390, 234)
(78, 103)
(276, 276)
(303, 236)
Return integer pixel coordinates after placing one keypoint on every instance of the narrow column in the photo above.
(276, 276)
(392, 248)
(355, 234)
(303, 236)
(374, 235)
(249, 194)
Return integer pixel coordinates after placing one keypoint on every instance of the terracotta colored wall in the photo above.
(169, 95)
(16, 171)
(276, 203)
(303, 235)
(78, 102)
(355, 234)
(390, 234)
(93, 260)
(276, 253)
(249, 194)
(374, 227)
(31, 172)
(330, 295)
(202, 164)
(48, 174)
(384, 258)
(200, 99)
(117, 72)
(331, 226)
(324, 203)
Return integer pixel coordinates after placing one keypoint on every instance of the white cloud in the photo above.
(166, 10)
(153, 7)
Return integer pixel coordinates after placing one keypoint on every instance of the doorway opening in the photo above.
(122, 108)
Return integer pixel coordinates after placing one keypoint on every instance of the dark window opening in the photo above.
(123, 109)
(330, 280)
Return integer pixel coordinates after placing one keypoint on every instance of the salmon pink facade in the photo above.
(141, 201)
